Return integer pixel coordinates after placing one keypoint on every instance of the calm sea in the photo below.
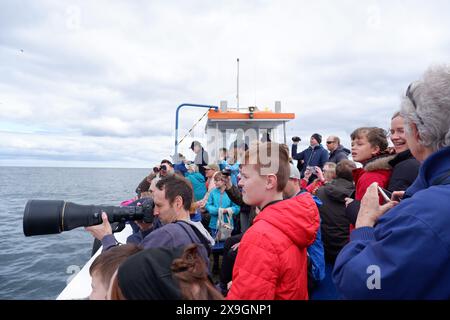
(38, 267)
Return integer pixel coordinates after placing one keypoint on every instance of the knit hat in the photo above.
(147, 275)
(318, 137)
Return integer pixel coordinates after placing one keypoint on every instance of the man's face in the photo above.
(197, 148)
(331, 144)
(313, 142)
(163, 210)
(253, 186)
(291, 188)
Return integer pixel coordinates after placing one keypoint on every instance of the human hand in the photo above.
(397, 195)
(370, 210)
(235, 246)
(229, 285)
(101, 230)
(308, 174)
(319, 173)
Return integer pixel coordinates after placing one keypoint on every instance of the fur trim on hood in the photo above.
(379, 163)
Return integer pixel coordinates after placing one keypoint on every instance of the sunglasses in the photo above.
(409, 95)
(330, 142)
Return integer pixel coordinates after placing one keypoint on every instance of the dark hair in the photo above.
(377, 137)
(175, 186)
(108, 262)
(344, 169)
(223, 149)
(167, 161)
(190, 269)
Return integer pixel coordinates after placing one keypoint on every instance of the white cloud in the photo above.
(95, 81)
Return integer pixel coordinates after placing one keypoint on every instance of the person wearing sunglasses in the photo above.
(337, 151)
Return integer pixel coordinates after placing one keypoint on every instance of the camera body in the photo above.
(226, 172)
(296, 139)
(311, 169)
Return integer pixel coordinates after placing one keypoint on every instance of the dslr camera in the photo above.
(296, 139)
(55, 216)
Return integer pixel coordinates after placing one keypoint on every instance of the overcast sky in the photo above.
(97, 83)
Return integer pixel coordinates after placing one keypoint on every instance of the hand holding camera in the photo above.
(296, 139)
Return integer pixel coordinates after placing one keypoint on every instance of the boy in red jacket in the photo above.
(369, 147)
(271, 262)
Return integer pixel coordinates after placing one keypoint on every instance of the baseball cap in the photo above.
(294, 174)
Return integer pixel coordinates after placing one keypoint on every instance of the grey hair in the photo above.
(432, 116)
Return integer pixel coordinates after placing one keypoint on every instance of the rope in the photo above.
(190, 130)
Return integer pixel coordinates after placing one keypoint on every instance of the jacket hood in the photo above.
(297, 217)
(203, 231)
(379, 163)
(339, 189)
(429, 171)
(342, 149)
(196, 176)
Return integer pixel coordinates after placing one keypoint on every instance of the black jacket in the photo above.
(339, 154)
(235, 195)
(334, 222)
(405, 169)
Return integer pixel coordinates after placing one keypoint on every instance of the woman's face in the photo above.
(99, 291)
(398, 136)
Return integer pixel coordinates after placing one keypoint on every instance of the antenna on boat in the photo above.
(237, 94)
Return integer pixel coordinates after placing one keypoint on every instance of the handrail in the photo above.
(176, 120)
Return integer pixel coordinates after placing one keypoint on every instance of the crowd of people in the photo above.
(319, 228)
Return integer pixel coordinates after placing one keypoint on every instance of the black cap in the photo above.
(318, 137)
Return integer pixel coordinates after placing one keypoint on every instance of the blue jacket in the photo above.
(198, 184)
(316, 251)
(214, 203)
(180, 167)
(410, 244)
(316, 156)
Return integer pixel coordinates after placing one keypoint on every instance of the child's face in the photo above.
(362, 150)
(253, 186)
(98, 289)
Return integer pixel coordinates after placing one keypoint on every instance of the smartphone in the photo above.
(384, 193)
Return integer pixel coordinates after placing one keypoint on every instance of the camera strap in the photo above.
(199, 235)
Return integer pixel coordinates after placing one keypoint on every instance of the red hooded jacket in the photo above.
(271, 261)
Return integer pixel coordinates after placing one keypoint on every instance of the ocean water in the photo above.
(39, 267)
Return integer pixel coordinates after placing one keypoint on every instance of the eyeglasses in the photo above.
(409, 95)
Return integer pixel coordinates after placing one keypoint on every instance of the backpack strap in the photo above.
(199, 235)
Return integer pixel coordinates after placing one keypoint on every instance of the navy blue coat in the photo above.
(316, 156)
(409, 247)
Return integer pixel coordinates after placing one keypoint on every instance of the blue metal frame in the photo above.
(176, 120)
